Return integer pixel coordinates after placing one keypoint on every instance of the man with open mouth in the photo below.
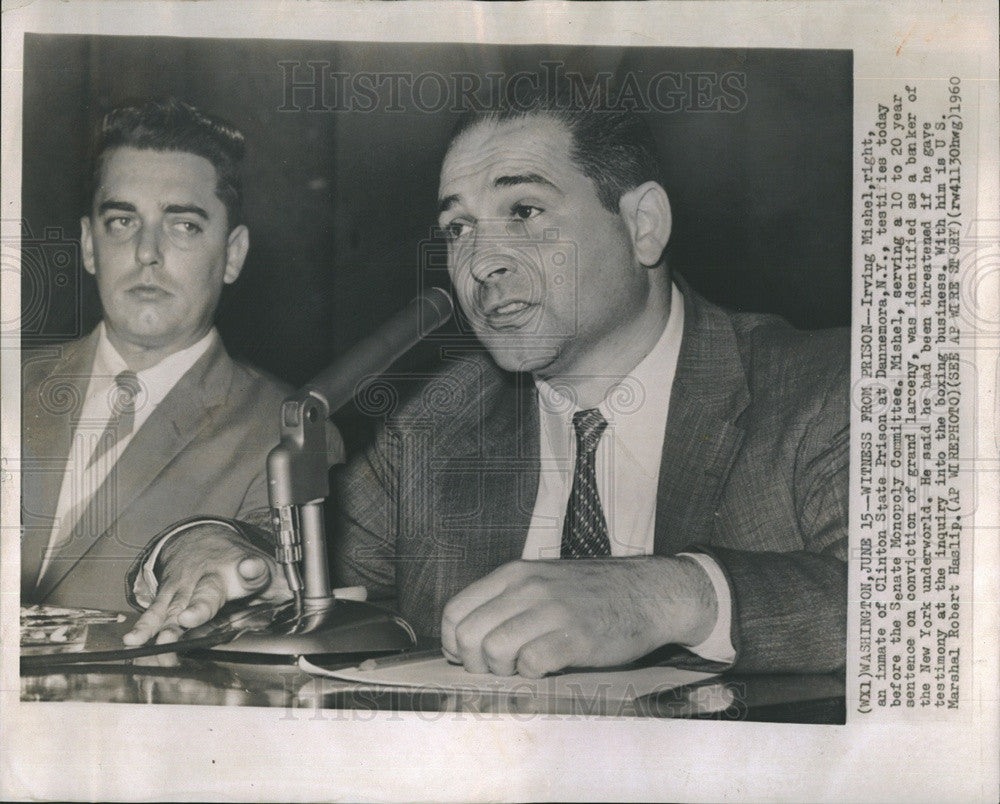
(632, 467)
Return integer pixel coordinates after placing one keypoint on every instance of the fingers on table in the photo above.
(157, 616)
(528, 633)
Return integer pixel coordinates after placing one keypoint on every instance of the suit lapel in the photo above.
(702, 437)
(182, 414)
(490, 478)
(512, 449)
(52, 400)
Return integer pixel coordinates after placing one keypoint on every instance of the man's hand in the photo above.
(201, 569)
(537, 617)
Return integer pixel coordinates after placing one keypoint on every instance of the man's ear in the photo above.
(646, 210)
(87, 246)
(236, 253)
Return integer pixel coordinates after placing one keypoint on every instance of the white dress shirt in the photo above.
(627, 463)
(81, 482)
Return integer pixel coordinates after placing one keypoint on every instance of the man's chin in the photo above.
(148, 335)
(520, 357)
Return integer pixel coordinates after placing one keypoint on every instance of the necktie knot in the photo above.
(589, 426)
(124, 393)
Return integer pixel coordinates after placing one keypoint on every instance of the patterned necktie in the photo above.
(585, 531)
(122, 414)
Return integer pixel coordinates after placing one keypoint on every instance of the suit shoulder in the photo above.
(39, 362)
(465, 381)
(799, 377)
(251, 406)
(259, 386)
(772, 349)
(450, 396)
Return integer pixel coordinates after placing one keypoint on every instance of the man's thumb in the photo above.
(254, 573)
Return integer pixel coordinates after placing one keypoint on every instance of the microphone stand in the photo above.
(316, 623)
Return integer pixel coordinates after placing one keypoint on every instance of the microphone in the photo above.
(297, 469)
(316, 622)
(337, 383)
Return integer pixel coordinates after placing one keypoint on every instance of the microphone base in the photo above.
(324, 629)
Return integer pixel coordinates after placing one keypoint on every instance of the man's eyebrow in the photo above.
(523, 178)
(117, 206)
(503, 181)
(447, 203)
(172, 209)
(184, 209)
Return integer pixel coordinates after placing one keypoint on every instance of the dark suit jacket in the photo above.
(754, 472)
(202, 451)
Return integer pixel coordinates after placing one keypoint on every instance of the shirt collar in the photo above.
(637, 406)
(157, 380)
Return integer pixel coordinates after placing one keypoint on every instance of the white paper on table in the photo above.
(434, 672)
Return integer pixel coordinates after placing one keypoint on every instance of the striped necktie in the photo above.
(122, 414)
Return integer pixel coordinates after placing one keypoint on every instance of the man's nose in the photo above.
(494, 250)
(147, 247)
(490, 265)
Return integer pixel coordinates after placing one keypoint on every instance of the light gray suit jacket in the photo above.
(754, 472)
(201, 451)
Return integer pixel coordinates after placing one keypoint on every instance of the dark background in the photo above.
(339, 202)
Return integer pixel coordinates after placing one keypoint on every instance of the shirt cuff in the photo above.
(719, 645)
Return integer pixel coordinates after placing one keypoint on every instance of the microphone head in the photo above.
(437, 306)
(338, 382)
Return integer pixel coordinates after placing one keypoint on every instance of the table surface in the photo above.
(200, 679)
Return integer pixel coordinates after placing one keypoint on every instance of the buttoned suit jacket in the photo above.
(754, 472)
(201, 451)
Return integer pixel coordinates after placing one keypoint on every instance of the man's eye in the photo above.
(187, 227)
(119, 223)
(456, 229)
(525, 211)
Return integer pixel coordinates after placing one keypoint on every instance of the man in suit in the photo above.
(691, 462)
(148, 414)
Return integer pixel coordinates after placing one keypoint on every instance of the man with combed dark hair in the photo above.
(632, 467)
(147, 415)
